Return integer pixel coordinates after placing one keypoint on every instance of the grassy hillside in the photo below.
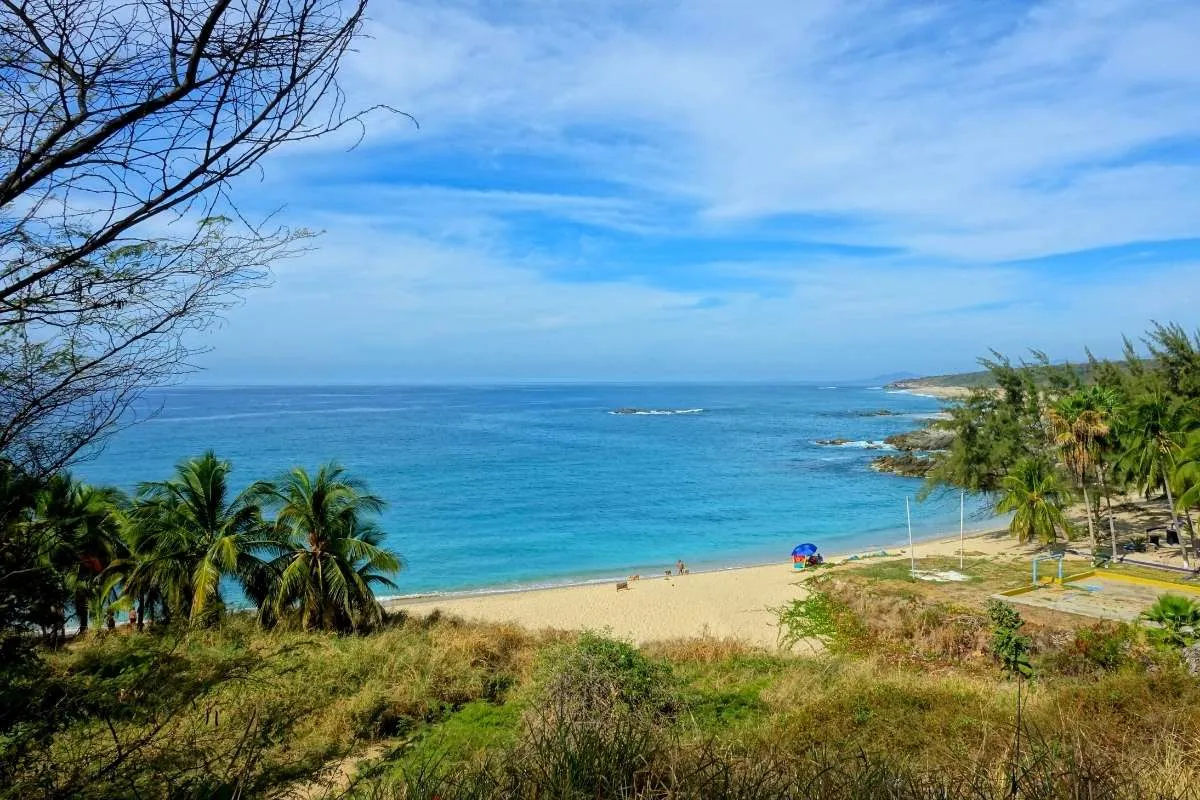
(903, 699)
(971, 380)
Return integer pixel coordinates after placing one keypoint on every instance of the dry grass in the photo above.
(912, 686)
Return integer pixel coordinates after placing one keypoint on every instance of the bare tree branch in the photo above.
(122, 123)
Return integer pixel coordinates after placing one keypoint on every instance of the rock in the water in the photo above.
(922, 439)
(906, 464)
(832, 442)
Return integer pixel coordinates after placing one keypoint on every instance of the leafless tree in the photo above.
(122, 123)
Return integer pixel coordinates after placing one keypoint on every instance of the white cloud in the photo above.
(938, 119)
(962, 135)
(373, 305)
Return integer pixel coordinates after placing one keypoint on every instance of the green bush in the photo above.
(597, 675)
(1178, 618)
(1009, 647)
(1105, 647)
(819, 615)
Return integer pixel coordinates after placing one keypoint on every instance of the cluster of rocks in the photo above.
(907, 465)
(925, 439)
(914, 459)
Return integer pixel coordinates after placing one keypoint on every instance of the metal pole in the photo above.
(912, 556)
(962, 499)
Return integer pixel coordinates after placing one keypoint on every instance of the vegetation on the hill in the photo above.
(304, 547)
(913, 699)
(1037, 428)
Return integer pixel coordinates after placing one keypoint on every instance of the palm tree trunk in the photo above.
(1187, 561)
(81, 611)
(141, 612)
(1087, 507)
(1112, 525)
(1187, 515)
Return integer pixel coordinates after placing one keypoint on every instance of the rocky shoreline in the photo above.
(917, 452)
(906, 465)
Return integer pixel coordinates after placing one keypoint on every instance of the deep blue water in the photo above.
(512, 486)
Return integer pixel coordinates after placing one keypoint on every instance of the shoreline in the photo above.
(937, 392)
(992, 527)
(735, 603)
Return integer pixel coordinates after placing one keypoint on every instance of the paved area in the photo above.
(1097, 596)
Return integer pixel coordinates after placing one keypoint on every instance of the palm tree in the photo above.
(1077, 427)
(1152, 437)
(1179, 618)
(83, 523)
(30, 585)
(334, 554)
(1107, 405)
(1187, 475)
(1036, 494)
(193, 533)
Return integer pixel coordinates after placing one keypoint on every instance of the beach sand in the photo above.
(732, 603)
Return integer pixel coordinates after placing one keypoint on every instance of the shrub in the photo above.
(820, 615)
(1179, 618)
(1105, 647)
(597, 675)
(1009, 647)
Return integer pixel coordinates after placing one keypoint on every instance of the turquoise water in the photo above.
(504, 487)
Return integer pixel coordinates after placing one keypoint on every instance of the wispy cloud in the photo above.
(593, 182)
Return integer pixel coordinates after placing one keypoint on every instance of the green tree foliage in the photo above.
(1009, 646)
(196, 533)
(333, 555)
(1035, 493)
(1078, 426)
(68, 550)
(996, 427)
(1176, 358)
(1111, 426)
(1152, 436)
(1178, 618)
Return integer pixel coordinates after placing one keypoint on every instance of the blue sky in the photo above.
(710, 190)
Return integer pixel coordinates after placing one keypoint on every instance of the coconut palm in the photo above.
(193, 532)
(1107, 405)
(1152, 436)
(84, 526)
(30, 586)
(334, 552)
(1035, 494)
(1077, 427)
(1187, 475)
(1179, 617)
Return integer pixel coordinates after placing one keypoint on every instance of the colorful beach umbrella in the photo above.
(806, 549)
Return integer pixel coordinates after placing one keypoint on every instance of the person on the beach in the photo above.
(680, 567)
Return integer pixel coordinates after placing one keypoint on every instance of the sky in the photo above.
(707, 190)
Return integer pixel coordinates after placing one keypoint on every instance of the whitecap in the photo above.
(861, 445)
(657, 412)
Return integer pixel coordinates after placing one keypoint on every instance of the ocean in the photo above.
(504, 487)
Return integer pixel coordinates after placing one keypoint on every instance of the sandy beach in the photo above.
(731, 603)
